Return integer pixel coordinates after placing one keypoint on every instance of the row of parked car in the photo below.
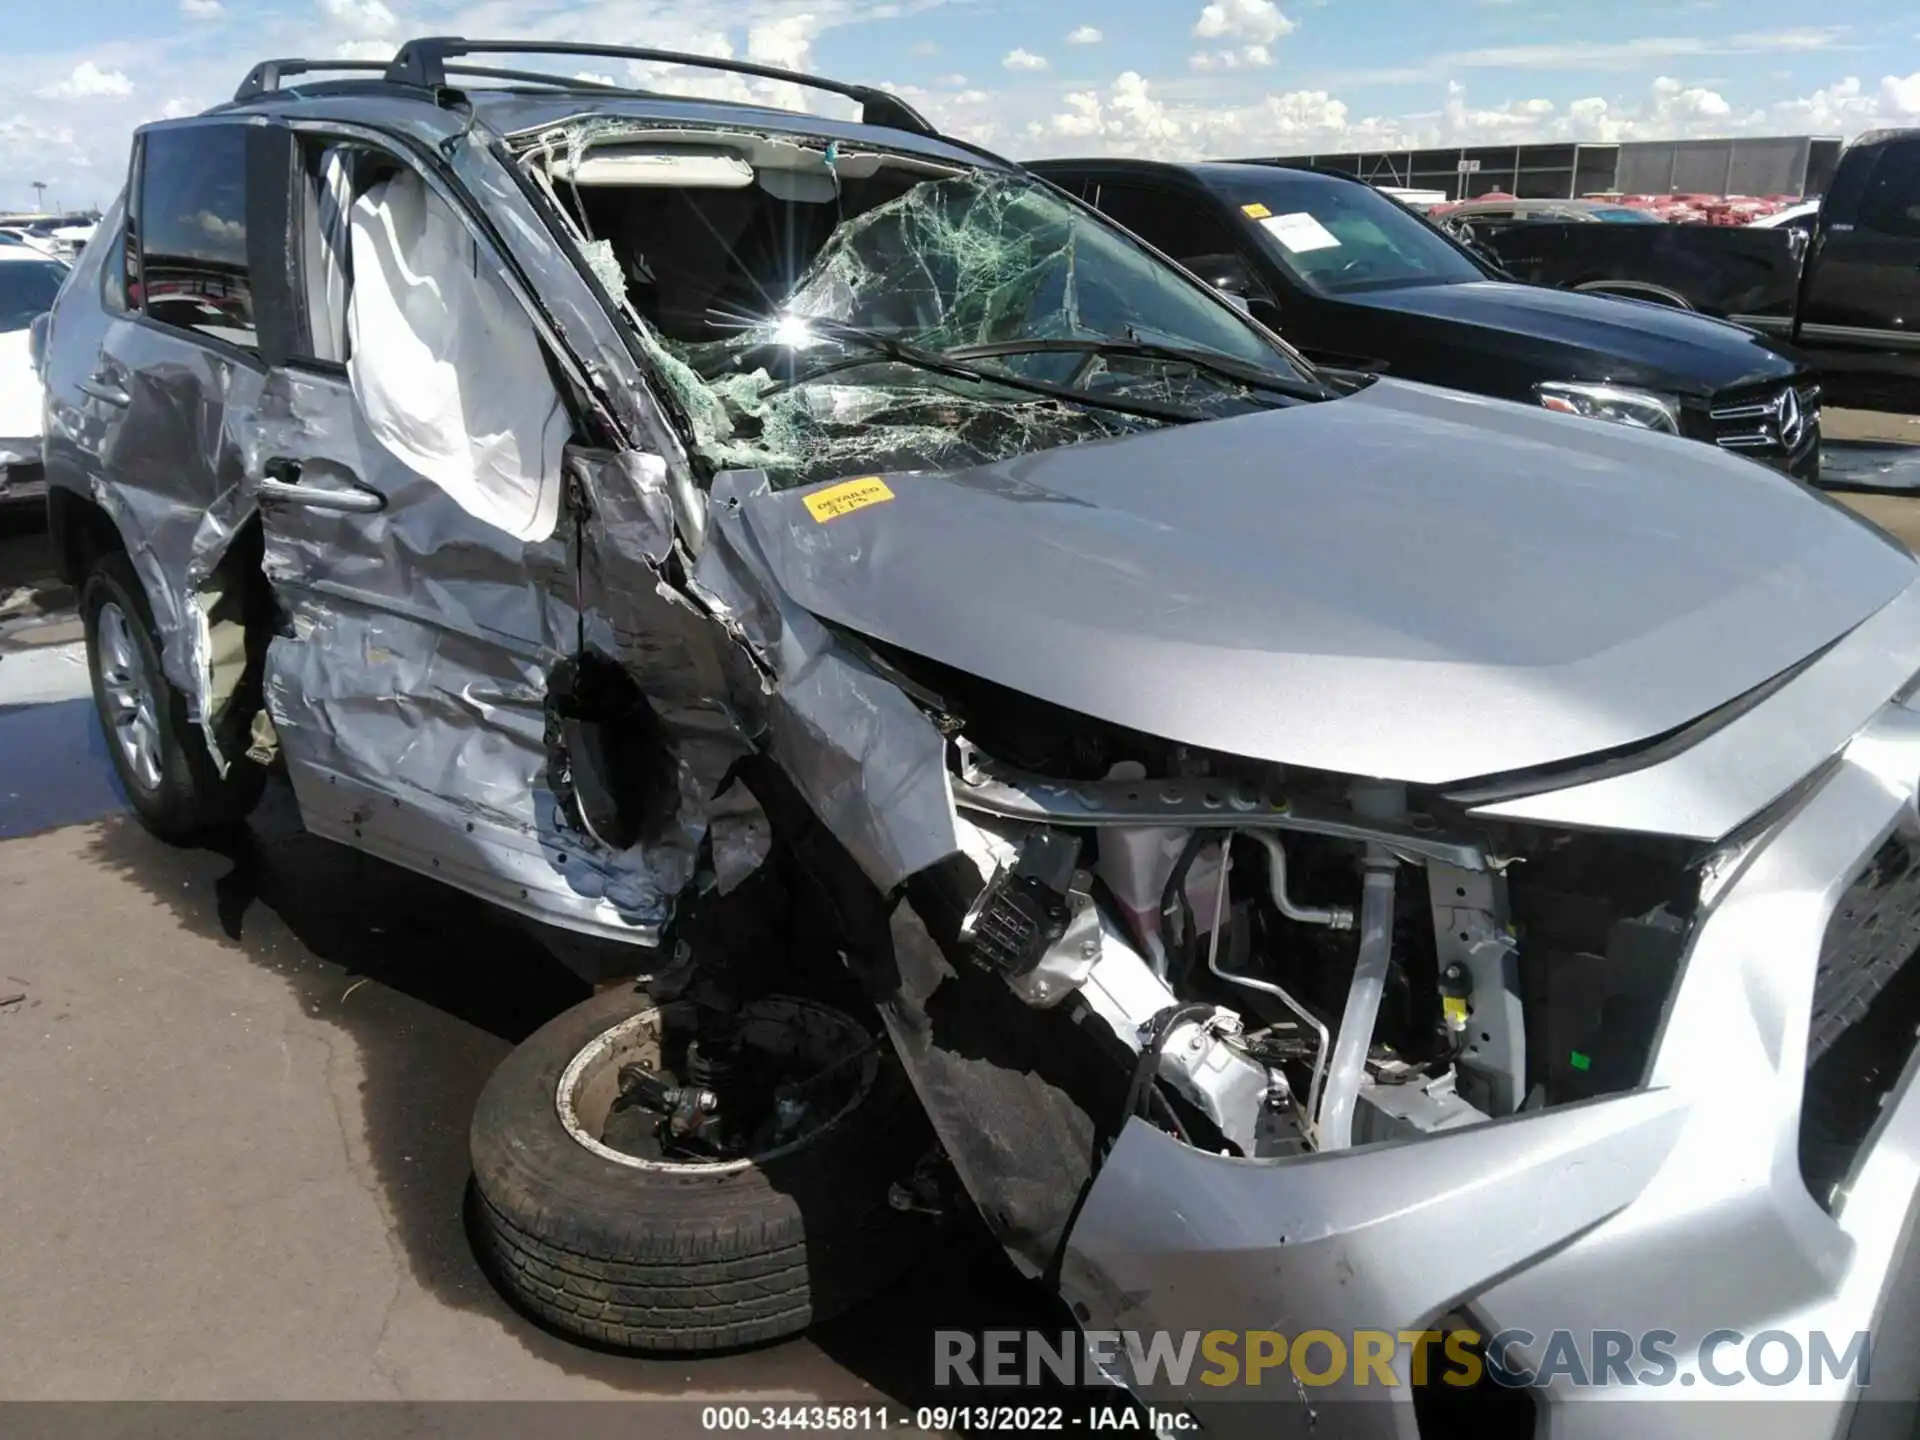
(1356, 281)
(1838, 279)
(1095, 743)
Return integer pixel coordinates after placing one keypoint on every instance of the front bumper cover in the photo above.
(1680, 1207)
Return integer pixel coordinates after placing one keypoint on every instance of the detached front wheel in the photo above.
(663, 1178)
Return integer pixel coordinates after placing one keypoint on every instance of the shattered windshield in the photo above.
(928, 323)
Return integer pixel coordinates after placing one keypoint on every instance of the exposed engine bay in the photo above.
(1300, 962)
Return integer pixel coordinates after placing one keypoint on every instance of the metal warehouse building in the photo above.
(1771, 165)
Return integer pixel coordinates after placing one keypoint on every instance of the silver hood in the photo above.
(1407, 583)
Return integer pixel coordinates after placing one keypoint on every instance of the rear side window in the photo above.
(193, 232)
(1891, 205)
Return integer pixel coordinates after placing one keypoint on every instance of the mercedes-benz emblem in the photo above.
(1788, 419)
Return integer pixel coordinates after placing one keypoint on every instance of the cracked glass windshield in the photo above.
(887, 320)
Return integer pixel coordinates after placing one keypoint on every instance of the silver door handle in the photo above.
(282, 492)
(101, 388)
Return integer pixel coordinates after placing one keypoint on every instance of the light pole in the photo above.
(40, 196)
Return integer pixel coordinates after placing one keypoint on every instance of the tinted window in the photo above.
(1624, 215)
(27, 288)
(1892, 202)
(1339, 238)
(1180, 225)
(193, 231)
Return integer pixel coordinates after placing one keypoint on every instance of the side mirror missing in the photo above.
(37, 334)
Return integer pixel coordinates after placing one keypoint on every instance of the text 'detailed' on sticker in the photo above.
(847, 497)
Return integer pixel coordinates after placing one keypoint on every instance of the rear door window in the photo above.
(193, 232)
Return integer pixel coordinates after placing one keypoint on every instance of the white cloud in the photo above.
(1085, 35)
(1024, 60)
(786, 42)
(1127, 120)
(1902, 93)
(1847, 106)
(88, 82)
(1257, 22)
(951, 82)
(1247, 57)
(1133, 118)
(220, 228)
(923, 47)
(360, 19)
(200, 9)
(180, 107)
(1651, 49)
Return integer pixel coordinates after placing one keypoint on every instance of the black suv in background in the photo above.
(1356, 280)
(1842, 284)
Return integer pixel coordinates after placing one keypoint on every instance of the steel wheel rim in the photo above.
(126, 687)
(581, 1112)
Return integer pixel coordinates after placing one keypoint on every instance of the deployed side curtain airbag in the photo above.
(446, 366)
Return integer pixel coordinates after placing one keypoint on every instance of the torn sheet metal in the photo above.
(742, 837)
(870, 763)
(684, 662)
(149, 408)
(1004, 1095)
(410, 692)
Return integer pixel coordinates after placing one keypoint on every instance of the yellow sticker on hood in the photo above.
(1255, 211)
(847, 497)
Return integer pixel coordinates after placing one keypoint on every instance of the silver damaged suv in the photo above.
(1300, 851)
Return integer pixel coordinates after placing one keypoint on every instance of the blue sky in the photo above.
(1179, 78)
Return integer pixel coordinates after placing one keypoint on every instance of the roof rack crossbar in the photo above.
(265, 78)
(423, 64)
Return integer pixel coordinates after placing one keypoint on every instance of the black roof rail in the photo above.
(264, 79)
(422, 64)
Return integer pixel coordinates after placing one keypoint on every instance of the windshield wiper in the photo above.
(1225, 366)
(955, 364)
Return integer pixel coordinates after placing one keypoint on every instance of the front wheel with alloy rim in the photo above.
(158, 752)
(671, 1178)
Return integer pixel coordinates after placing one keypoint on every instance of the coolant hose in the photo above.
(1342, 1092)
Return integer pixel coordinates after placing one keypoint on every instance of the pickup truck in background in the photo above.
(1845, 290)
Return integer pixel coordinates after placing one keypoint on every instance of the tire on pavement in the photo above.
(156, 748)
(645, 1255)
